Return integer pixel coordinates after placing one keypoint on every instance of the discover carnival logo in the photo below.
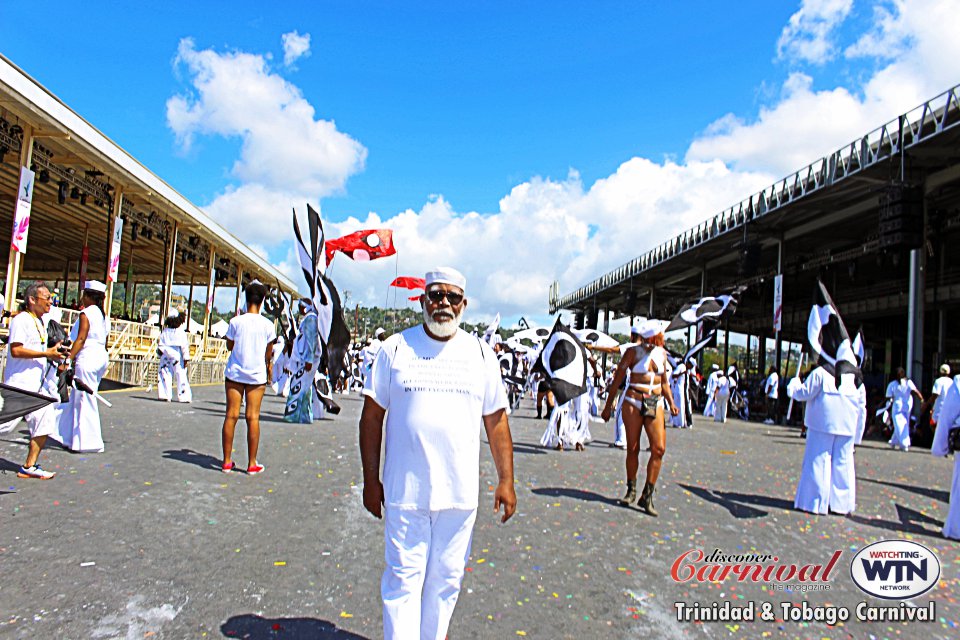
(895, 569)
(718, 566)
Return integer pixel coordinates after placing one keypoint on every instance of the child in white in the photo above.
(174, 355)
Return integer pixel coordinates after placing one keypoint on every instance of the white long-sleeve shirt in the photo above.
(841, 412)
(949, 415)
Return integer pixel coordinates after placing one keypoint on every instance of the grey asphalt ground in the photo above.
(150, 540)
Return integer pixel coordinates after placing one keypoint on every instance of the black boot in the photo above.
(631, 492)
(646, 500)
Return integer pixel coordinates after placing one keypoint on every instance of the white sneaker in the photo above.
(35, 472)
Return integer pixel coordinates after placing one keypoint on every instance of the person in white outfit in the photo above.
(940, 387)
(281, 374)
(174, 349)
(900, 394)
(619, 431)
(27, 356)
(949, 418)
(834, 417)
(678, 386)
(79, 418)
(771, 392)
(435, 385)
(710, 390)
(721, 397)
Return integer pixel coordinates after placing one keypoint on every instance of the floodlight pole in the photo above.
(168, 276)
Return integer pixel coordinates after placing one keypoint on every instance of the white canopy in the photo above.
(219, 329)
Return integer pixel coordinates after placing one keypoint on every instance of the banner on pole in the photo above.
(114, 269)
(778, 302)
(21, 215)
(84, 258)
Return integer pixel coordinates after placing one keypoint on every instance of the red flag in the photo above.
(362, 246)
(407, 282)
(414, 298)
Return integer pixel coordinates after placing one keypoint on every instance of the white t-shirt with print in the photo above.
(436, 394)
(251, 333)
(26, 373)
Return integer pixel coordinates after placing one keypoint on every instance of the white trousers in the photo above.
(709, 408)
(951, 528)
(901, 429)
(828, 478)
(78, 420)
(720, 408)
(169, 372)
(426, 552)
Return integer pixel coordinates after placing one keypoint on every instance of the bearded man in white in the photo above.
(435, 385)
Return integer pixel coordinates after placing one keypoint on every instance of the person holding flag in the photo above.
(836, 409)
(643, 403)
(307, 351)
(27, 356)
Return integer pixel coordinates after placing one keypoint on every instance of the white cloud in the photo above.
(544, 230)
(287, 155)
(562, 229)
(888, 39)
(805, 124)
(295, 46)
(809, 35)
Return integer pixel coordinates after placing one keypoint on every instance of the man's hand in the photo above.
(506, 496)
(309, 366)
(53, 353)
(373, 498)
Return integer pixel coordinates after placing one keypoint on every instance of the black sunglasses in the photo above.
(436, 295)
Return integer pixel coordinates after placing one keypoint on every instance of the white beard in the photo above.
(444, 329)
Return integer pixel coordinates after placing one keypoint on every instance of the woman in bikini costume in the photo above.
(643, 406)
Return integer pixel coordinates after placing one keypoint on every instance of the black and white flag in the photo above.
(714, 308)
(536, 334)
(564, 361)
(707, 313)
(16, 403)
(332, 328)
(595, 338)
(828, 339)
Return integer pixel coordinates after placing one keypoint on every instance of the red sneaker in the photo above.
(255, 469)
(227, 468)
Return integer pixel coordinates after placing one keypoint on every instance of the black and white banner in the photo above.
(564, 361)
(828, 339)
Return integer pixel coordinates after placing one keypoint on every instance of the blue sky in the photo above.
(514, 140)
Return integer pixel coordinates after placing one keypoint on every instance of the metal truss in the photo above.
(883, 143)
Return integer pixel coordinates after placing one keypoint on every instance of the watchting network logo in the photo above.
(895, 569)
